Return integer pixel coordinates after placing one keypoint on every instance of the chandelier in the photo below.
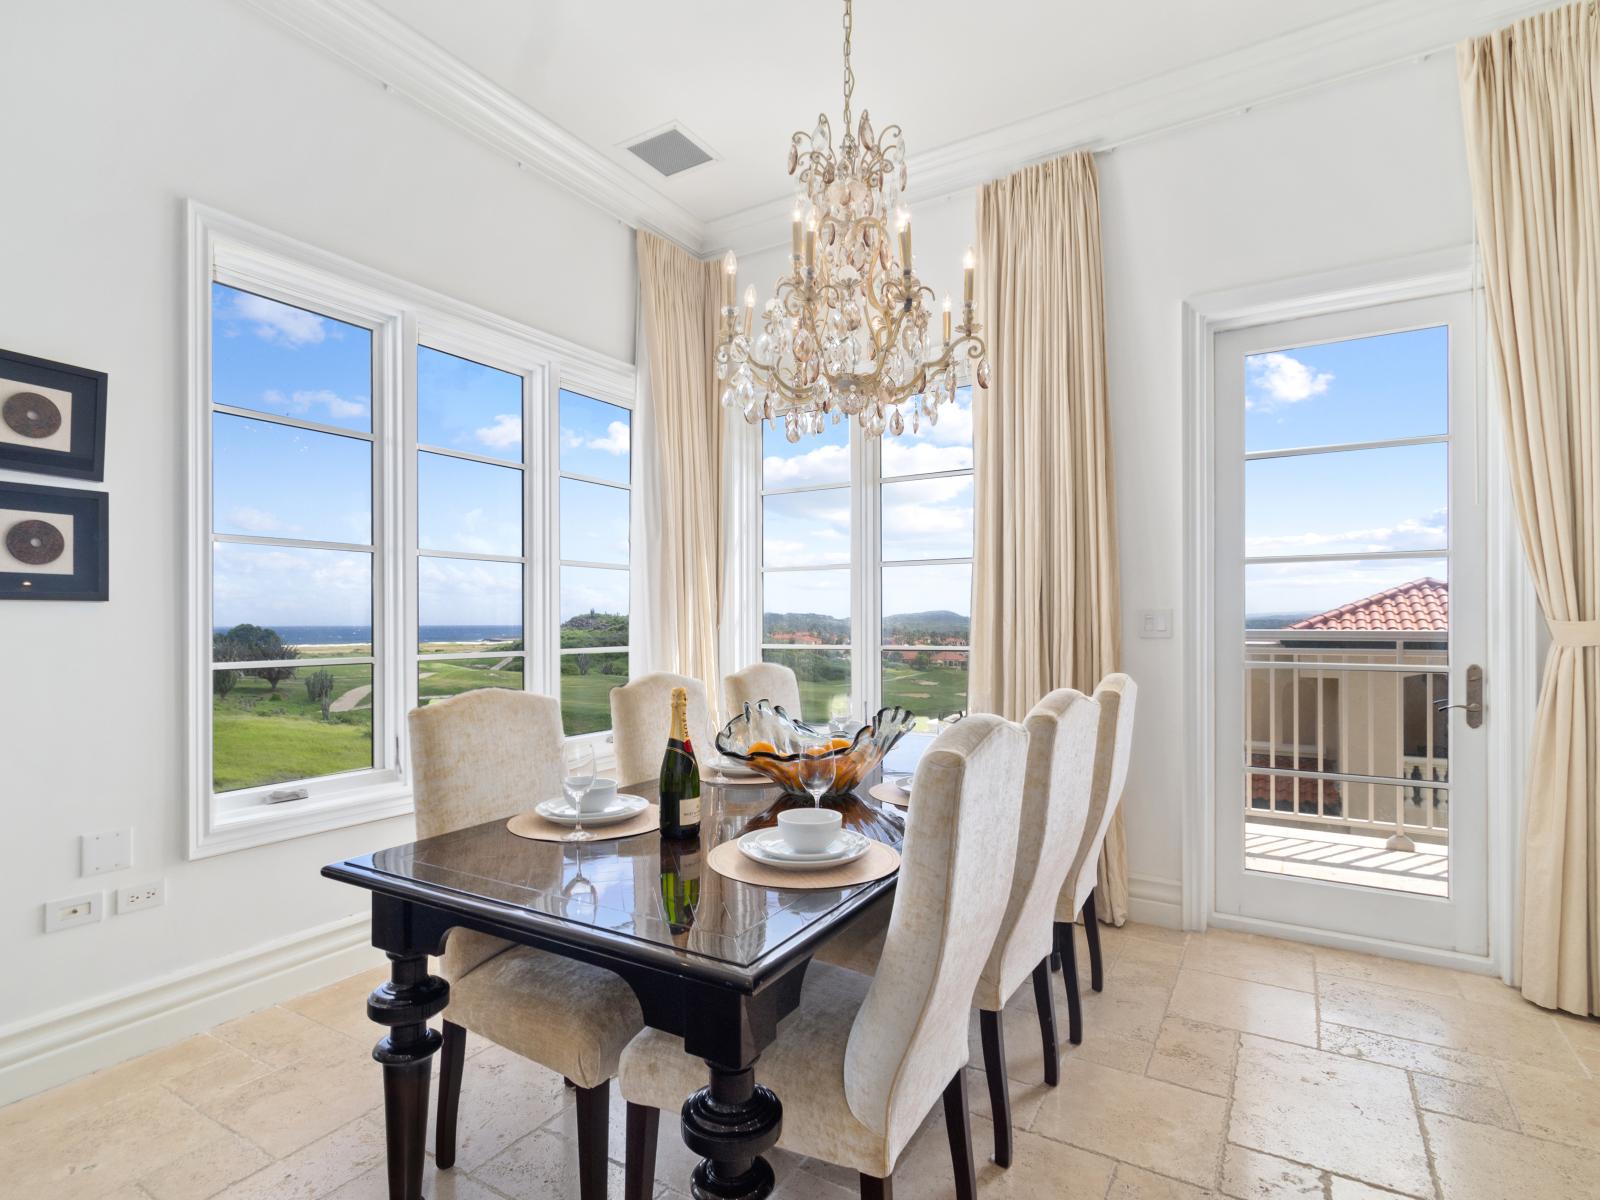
(849, 331)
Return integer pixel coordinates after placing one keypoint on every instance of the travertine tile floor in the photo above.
(1220, 1065)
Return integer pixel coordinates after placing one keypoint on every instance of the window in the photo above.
(595, 495)
(395, 501)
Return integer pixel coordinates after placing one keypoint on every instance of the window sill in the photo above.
(246, 821)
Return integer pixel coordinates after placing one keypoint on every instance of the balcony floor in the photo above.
(1345, 858)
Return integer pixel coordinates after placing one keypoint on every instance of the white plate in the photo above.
(560, 811)
(766, 846)
(903, 782)
(739, 779)
(735, 769)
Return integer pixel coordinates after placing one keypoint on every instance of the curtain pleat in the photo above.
(1046, 609)
(1531, 101)
(679, 300)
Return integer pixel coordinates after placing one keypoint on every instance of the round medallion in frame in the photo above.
(35, 542)
(31, 415)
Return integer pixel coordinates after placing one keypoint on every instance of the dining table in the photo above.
(712, 960)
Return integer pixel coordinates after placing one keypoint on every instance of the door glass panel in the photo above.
(1350, 502)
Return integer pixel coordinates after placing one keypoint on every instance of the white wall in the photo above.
(1367, 170)
(113, 114)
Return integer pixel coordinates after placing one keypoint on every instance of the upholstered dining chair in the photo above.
(1117, 696)
(862, 1060)
(477, 757)
(762, 681)
(641, 717)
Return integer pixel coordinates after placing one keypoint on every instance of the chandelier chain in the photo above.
(849, 75)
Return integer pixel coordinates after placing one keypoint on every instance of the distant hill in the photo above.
(938, 621)
(819, 623)
(1275, 620)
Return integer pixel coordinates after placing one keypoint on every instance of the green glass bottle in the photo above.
(680, 776)
(680, 887)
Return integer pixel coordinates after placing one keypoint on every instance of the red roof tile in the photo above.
(1420, 604)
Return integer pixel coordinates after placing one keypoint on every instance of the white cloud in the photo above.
(279, 323)
(254, 520)
(1278, 379)
(313, 403)
(825, 464)
(615, 440)
(1413, 533)
(506, 431)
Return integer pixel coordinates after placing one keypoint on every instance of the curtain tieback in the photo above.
(1575, 633)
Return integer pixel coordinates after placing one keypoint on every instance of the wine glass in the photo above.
(817, 768)
(839, 715)
(576, 780)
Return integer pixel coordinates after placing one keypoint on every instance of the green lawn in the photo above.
(934, 692)
(449, 677)
(261, 737)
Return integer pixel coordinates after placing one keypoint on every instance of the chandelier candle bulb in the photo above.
(730, 273)
(796, 233)
(969, 268)
(749, 308)
(947, 318)
(811, 240)
(905, 241)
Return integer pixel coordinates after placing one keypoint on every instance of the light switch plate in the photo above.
(1155, 623)
(103, 852)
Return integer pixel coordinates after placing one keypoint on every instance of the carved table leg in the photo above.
(404, 1004)
(731, 1124)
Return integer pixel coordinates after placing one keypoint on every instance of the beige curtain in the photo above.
(679, 301)
(1531, 95)
(1045, 608)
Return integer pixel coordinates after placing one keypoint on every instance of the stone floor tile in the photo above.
(206, 1170)
(1112, 1050)
(343, 1005)
(1195, 1055)
(803, 1185)
(1135, 1183)
(454, 1184)
(1459, 1065)
(1553, 1106)
(1480, 1162)
(541, 1164)
(1485, 1104)
(1147, 1122)
(1249, 1175)
(1258, 1008)
(1124, 1009)
(1277, 963)
(217, 1076)
(279, 1037)
(315, 1170)
(295, 1106)
(1150, 933)
(505, 1097)
(1488, 989)
(1025, 1098)
(1370, 968)
(1041, 1169)
(1143, 961)
(1340, 1188)
(1331, 1112)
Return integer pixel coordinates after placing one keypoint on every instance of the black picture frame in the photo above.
(91, 544)
(85, 458)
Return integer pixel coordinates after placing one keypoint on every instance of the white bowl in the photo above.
(601, 794)
(809, 830)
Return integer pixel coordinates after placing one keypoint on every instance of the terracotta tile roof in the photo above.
(1420, 604)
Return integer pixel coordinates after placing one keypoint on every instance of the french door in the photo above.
(1350, 624)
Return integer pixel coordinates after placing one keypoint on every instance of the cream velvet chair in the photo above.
(641, 718)
(1117, 696)
(860, 1063)
(479, 757)
(762, 681)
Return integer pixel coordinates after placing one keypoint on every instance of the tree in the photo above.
(319, 690)
(254, 643)
(223, 682)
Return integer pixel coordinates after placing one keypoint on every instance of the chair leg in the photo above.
(639, 1169)
(1067, 947)
(594, 1115)
(1044, 999)
(1091, 930)
(873, 1188)
(452, 1057)
(958, 1125)
(994, 1067)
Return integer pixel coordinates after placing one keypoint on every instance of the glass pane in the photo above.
(1373, 389)
(806, 528)
(946, 446)
(464, 405)
(823, 674)
(1354, 502)
(594, 438)
(452, 676)
(594, 607)
(818, 458)
(594, 522)
(931, 683)
(928, 518)
(806, 608)
(467, 506)
(586, 683)
(319, 722)
(463, 603)
(278, 359)
(319, 602)
(927, 606)
(1360, 596)
(278, 481)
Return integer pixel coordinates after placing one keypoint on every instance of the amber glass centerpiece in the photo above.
(769, 740)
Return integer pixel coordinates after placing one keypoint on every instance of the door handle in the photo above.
(1474, 704)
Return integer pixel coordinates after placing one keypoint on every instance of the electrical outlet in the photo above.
(74, 910)
(140, 896)
(102, 852)
(1155, 623)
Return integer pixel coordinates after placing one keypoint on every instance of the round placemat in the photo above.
(880, 860)
(531, 825)
(889, 794)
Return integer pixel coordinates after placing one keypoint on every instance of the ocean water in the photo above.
(344, 635)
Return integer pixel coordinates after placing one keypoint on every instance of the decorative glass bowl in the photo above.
(768, 740)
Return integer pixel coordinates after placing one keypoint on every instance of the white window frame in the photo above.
(402, 315)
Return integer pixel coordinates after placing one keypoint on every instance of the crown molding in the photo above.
(386, 49)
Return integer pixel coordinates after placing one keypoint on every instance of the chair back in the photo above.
(762, 681)
(910, 1036)
(641, 719)
(1117, 696)
(1062, 729)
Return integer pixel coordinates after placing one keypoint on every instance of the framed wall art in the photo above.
(53, 543)
(52, 417)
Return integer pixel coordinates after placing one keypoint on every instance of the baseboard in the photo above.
(59, 1046)
(1154, 901)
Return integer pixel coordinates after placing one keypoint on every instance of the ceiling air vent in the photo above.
(671, 151)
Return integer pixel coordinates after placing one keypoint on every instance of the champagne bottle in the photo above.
(680, 776)
(680, 887)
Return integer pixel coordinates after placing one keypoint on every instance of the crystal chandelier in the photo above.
(849, 331)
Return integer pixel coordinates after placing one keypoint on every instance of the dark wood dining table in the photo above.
(719, 968)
